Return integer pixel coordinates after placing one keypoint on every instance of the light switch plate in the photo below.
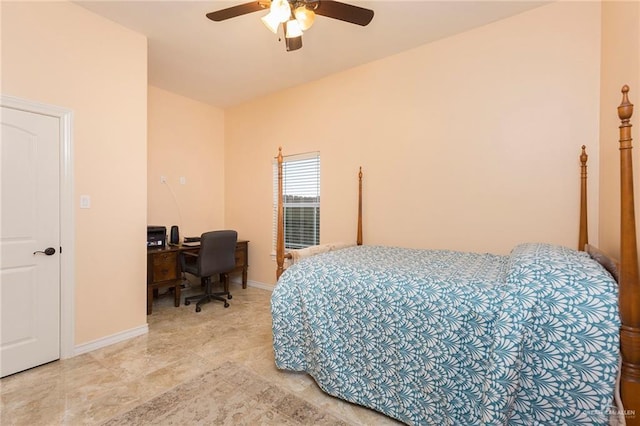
(85, 202)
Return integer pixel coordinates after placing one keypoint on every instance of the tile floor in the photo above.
(91, 388)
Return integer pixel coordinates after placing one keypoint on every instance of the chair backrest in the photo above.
(217, 252)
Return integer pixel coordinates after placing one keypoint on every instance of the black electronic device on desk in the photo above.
(174, 238)
(156, 236)
(191, 242)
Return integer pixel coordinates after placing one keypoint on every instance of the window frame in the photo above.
(312, 175)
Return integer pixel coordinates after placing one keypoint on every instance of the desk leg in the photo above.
(244, 277)
(176, 294)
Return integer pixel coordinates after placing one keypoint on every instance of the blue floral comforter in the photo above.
(451, 338)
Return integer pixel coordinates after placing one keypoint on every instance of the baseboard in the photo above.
(255, 284)
(144, 329)
(110, 340)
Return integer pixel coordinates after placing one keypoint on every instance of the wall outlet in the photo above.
(163, 179)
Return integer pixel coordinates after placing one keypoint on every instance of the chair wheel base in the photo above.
(207, 297)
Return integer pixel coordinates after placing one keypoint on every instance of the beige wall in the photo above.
(186, 140)
(58, 53)
(620, 65)
(468, 143)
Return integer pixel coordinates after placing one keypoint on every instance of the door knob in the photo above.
(48, 251)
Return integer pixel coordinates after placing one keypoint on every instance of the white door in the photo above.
(29, 224)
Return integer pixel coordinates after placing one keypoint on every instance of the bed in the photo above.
(446, 337)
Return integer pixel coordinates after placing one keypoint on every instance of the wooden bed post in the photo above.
(280, 226)
(629, 284)
(359, 236)
(583, 238)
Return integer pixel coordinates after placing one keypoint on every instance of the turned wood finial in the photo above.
(584, 157)
(625, 110)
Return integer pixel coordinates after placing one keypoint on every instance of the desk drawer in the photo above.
(241, 255)
(240, 258)
(164, 266)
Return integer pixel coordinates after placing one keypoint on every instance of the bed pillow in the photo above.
(339, 245)
(552, 264)
(568, 319)
(299, 254)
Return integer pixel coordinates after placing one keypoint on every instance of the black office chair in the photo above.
(216, 256)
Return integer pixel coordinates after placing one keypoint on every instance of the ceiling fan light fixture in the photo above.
(294, 43)
(281, 9)
(271, 21)
(292, 29)
(295, 16)
(304, 16)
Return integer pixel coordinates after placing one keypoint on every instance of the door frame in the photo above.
(67, 214)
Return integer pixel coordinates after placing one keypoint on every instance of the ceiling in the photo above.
(230, 62)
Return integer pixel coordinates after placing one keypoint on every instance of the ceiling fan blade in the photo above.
(344, 12)
(233, 11)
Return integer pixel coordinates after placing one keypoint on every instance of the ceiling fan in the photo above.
(296, 16)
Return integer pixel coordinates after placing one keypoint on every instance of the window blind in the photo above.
(301, 200)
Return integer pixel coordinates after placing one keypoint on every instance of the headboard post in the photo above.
(280, 226)
(629, 284)
(359, 236)
(583, 238)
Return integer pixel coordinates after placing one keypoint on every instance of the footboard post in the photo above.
(583, 238)
(359, 235)
(629, 285)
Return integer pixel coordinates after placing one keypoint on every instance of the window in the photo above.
(301, 200)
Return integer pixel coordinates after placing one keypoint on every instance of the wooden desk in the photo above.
(163, 269)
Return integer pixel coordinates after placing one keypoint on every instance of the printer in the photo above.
(156, 236)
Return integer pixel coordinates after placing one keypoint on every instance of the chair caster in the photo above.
(187, 303)
(226, 305)
(198, 309)
(229, 296)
